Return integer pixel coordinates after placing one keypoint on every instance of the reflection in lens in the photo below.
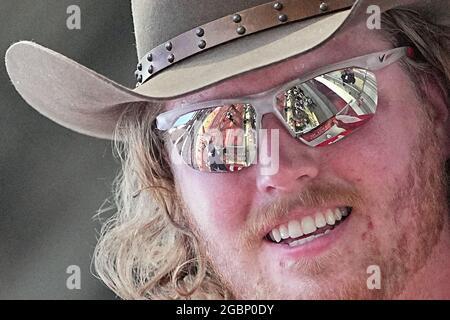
(326, 108)
(219, 139)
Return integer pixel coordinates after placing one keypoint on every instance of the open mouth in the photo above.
(298, 232)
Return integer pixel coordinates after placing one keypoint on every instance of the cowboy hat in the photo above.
(183, 48)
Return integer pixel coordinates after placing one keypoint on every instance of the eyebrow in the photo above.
(236, 87)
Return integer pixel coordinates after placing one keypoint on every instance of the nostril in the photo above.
(286, 178)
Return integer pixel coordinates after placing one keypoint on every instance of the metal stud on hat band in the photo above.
(232, 27)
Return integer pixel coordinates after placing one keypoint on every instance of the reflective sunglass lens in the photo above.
(219, 139)
(326, 108)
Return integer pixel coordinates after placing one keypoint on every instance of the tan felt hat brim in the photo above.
(65, 91)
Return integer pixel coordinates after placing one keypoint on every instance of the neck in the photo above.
(432, 281)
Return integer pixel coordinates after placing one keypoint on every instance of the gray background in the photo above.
(53, 180)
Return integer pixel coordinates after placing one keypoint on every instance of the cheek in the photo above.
(218, 202)
(378, 159)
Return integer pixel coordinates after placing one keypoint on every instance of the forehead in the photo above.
(353, 42)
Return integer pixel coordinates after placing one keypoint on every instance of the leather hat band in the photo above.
(231, 27)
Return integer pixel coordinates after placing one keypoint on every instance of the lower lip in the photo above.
(310, 249)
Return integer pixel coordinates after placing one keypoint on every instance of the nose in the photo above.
(297, 162)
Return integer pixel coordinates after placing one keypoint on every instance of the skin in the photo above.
(388, 171)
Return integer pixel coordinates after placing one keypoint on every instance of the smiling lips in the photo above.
(298, 232)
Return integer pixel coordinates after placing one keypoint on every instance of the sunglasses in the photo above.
(318, 109)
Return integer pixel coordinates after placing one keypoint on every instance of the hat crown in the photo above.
(157, 21)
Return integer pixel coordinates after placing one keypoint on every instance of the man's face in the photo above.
(387, 173)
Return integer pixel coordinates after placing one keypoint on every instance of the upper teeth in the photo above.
(296, 228)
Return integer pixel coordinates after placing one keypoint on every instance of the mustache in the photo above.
(266, 216)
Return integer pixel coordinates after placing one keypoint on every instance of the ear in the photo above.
(437, 99)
